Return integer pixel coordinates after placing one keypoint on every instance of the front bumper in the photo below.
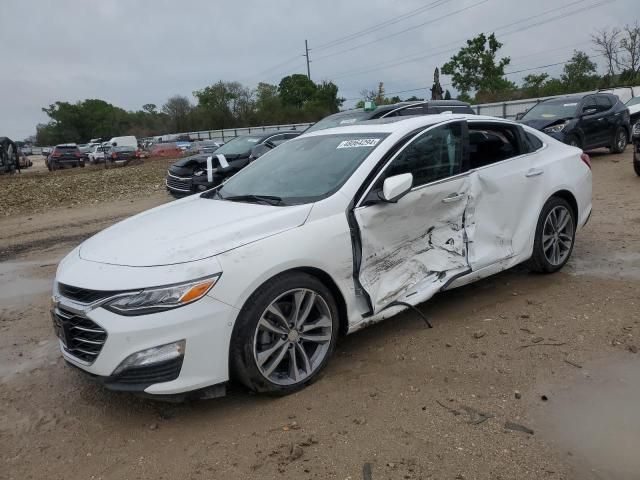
(205, 325)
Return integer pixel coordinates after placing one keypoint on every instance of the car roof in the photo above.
(389, 107)
(404, 124)
(268, 133)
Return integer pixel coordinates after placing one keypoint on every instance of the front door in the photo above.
(411, 248)
(591, 123)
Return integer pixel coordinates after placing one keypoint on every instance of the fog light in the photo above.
(153, 355)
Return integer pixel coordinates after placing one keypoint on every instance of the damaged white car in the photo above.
(256, 280)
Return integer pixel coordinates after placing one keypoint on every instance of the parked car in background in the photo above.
(120, 156)
(401, 109)
(26, 150)
(9, 156)
(326, 234)
(636, 147)
(97, 153)
(63, 156)
(207, 146)
(125, 141)
(46, 151)
(634, 110)
(196, 173)
(584, 121)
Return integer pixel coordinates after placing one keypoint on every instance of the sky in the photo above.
(133, 52)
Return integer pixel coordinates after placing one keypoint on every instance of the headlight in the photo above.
(152, 300)
(556, 128)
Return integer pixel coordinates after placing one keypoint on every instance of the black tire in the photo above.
(618, 143)
(242, 362)
(574, 141)
(81, 164)
(636, 167)
(539, 261)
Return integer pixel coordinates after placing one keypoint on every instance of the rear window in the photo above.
(532, 142)
(67, 148)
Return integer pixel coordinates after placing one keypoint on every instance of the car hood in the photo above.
(542, 123)
(633, 109)
(189, 230)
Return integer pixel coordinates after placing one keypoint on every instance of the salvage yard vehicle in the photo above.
(584, 121)
(198, 173)
(97, 153)
(328, 233)
(636, 148)
(634, 110)
(121, 156)
(9, 156)
(65, 155)
(401, 109)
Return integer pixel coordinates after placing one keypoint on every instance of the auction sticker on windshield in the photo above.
(348, 121)
(360, 142)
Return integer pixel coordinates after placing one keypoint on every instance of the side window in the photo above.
(434, 155)
(588, 104)
(532, 142)
(603, 103)
(491, 143)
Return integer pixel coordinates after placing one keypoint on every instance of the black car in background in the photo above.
(190, 174)
(584, 121)
(421, 107)
(636, 147)
(65, 155)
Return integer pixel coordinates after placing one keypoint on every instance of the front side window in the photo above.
(303, 170)
(434, 155)
(603, 102)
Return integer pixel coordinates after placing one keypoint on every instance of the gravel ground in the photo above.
(522, 377)
(38, 190)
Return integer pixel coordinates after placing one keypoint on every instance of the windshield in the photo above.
(633, 101)
(552, 110)
(339, 120)
(240, 145)
(303, 170)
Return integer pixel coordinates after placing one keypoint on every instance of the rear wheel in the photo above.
(284, 335)
(574, 141)
(555, 236)
(619, 141)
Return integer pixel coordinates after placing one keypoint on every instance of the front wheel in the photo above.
(619, 142)
(555, 236)
(574, 141)
(636, 167)
(284, 335)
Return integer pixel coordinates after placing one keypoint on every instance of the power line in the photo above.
(414, 58)
(381, 25)
(404, 30)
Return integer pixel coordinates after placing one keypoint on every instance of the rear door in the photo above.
(507, 178)
(411, 248)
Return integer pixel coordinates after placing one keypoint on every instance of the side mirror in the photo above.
(114, 144)
(589, 111)
(520, 115)
(396, 187)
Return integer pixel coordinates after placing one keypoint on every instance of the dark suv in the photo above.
(584, 121)
(62, 156)
(190, 174)
(421, 107)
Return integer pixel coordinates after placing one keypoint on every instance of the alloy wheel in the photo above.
(557, 235)
(293, 337)
(622, 140)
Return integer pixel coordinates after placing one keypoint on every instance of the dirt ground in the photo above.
(522, 377)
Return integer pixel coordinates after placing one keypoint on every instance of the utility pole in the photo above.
(306, 54)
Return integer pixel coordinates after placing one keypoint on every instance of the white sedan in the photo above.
(335, 230)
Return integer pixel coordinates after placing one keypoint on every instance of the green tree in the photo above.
(474, 67)
(532, 83)
(296, 89)
(447, 95)
(579, 73)
(178, 108)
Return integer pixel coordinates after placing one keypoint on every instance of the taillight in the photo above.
(55, 154)
(586, 159)
(78, 154)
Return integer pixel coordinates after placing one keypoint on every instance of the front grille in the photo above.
(84, 295)
(81, 337)
(150, 374)
(179, 183)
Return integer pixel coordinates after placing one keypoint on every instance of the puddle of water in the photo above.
(596, 419)
(16, 282)
(618, 264)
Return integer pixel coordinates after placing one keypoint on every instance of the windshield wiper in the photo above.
(269, 199)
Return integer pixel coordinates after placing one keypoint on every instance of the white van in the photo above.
(126, 141)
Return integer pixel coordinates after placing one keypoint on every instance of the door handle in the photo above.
(533, 172)
(454, 197)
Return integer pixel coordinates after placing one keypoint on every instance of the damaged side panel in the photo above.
(411, 248)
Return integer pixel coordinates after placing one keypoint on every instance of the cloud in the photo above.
(132, 53)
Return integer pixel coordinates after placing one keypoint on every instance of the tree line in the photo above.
(476, 73)
(296, 99)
